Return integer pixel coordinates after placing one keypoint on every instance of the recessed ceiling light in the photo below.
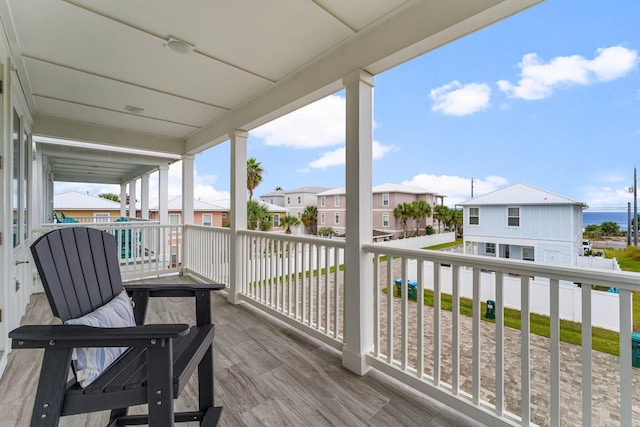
(133, 110)
(179, 46)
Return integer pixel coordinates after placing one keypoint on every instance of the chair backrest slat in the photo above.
(79, 269)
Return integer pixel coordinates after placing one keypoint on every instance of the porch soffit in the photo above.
(80, 62)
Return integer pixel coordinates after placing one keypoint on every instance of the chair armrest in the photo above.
(71, 336)
(172, 289)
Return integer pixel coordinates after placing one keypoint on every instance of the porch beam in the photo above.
(358, 295)
(238, 207)
(66, 129)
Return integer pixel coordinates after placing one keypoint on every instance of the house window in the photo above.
(288, 200)
(206, 220)
(385, 220)
(385, 199)
(271, 201)
(474, 216)
(299, 215)
(490, 248)
(174, 219)
(100, 217)
(336, 218)
(224, 215)
(336, 201)
(174, 254)
(323, 218)
(299, 199)
(513, 217)
(322, 201)
(528, 253)
(276, 220)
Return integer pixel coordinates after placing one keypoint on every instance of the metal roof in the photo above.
(521, 194)
(75, 200)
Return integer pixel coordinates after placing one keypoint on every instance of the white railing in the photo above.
(297, 279)
(445, 354)
(206, 252)
(146, 249)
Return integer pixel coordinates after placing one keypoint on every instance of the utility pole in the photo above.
(472, 188)
(628, 223)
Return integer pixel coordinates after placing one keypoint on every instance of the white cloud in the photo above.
(203, 187)
(607, 196)
(456, 188)
(538, 79)
(321, 124)
(455, 99)
(337, 157)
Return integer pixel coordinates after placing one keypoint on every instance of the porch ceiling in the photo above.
(80, 63)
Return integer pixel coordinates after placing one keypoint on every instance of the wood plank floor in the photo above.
(267, 374)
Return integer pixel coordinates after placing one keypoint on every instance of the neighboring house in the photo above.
(298, 199)
(83, 207)
(204, 213)
(273, 198)
(276, 212)
(524, 222)
(385, 198)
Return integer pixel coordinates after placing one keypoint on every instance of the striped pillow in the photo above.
(89, 363)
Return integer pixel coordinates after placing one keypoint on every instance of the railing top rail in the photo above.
(226, 230)
(104, 225)
(611, 278)
(321, 241)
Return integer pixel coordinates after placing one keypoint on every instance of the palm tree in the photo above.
(310, 218)
(254, 175)
(258, 217)
(288, 221)
(278, 188)
(403, 212)
(439, 214)
(110, 196)
(421, 209)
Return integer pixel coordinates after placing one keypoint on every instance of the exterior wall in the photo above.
(278, 200)
(87, 215)
(218, 219)
(395, 198)
(297, 207)
(554, 231)
(331, 210)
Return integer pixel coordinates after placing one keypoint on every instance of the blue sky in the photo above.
(549, 97)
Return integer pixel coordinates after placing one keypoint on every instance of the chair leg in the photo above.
(206, 394)
(118, 413)
(47, 406)
(160, 384)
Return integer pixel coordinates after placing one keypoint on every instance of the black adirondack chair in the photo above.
(80, 272)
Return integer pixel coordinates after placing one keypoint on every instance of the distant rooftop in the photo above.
(383, 188)
(521, 194)
(76, 200)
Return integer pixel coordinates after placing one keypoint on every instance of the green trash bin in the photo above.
(635, 349)
(412, 286)
(491, 310)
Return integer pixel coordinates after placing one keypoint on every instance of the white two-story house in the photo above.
(524, 222)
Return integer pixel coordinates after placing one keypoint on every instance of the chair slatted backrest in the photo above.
(79, 269)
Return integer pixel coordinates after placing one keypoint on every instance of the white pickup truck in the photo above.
(586, 245)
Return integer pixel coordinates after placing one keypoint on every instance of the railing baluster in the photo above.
(626, 375)
(476, 345)
(586, 354)
(455, 329)
(404, 325)
(437, 324)
(376, 305)
(499, 310)
(554, 365)
(525, 341)
(389, 310)
(420, 319)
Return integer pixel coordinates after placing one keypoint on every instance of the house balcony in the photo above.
(285, 324)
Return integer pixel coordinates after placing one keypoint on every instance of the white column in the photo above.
(358, 275)
(123, 200)
(163, 194)
(144, 196)
(132, 198)
(187, 188)
(238, 206)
